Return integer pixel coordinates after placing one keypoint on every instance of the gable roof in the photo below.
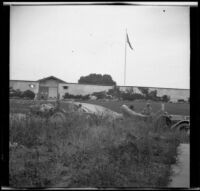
(51, 77)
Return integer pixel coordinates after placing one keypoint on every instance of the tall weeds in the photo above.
(89, 151)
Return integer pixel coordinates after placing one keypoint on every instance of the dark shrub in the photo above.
(20, 94)
(165, 98)
(115, 92)
(28, 94)
(71, 96)
(100, 95)
(16, 93)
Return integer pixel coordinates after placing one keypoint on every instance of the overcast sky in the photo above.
(73, 41)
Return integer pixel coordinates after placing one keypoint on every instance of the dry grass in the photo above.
(90, 151)
(172, 108)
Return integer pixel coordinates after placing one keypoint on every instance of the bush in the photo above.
(165, 98)
(115, 92)
(100, 95)
(97, 79)
(21, 94)
(131, 97)
(71, 96)
(89, 151)
(28, 94)
(16, 93)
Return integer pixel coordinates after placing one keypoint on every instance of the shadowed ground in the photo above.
(181, 170)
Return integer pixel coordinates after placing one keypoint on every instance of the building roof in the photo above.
(23, 81)
(51, 77)
(61, 81)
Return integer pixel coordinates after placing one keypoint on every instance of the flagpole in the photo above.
(125, 59)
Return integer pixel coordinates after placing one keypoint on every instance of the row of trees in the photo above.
(22, 94)
(115, 92)
(130, 95)
(97, 79)
(106, 79)
(152, 95)
(71, 96)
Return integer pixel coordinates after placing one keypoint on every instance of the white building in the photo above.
(53, 88)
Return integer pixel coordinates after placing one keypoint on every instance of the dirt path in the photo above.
(92, 108)
(181, 170)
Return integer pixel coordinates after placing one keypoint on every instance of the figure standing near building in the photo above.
(131, 107)
(36, 96)
(147, 110)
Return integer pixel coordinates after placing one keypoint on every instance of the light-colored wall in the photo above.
(49, 83)
(174, 94)
(124, 88)
(24, 85)
(80, 89)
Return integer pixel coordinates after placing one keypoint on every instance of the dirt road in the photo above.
(181, 170)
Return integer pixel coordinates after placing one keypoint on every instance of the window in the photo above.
(65, 87)
(32, 85)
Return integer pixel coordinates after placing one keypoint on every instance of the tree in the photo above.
(28, 94)
(115, 92)
(153, 95)
(80, 97)
(99, 95)
(165, 98)
(21, 94)
(97, 79)
(16, 93)
(144, 91)
(130, 90)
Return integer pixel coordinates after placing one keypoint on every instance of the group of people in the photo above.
(146, 111)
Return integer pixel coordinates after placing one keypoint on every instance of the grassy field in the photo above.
(171, 108)
(87, 151)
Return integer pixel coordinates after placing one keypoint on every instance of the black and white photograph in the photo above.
(99, 95)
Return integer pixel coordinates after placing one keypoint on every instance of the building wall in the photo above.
(174, 94)
(24, 85)
(49, 83)
(80, 89)
(52, 91)
(124, 88)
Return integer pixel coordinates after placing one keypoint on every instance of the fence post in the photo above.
(162, 106)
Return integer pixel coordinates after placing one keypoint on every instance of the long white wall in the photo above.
(174, 94)
(81, 89)
(24, 85)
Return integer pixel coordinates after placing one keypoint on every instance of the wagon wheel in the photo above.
(162, 121)
(183, 127)
(58, 117)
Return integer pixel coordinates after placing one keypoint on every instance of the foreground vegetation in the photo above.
(171, 108)
(22, 106)
(90, 151)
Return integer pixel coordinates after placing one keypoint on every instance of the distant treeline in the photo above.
(97, 79)
(21, 94)
(129, 94)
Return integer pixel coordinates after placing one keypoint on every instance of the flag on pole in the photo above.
(128, 41)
